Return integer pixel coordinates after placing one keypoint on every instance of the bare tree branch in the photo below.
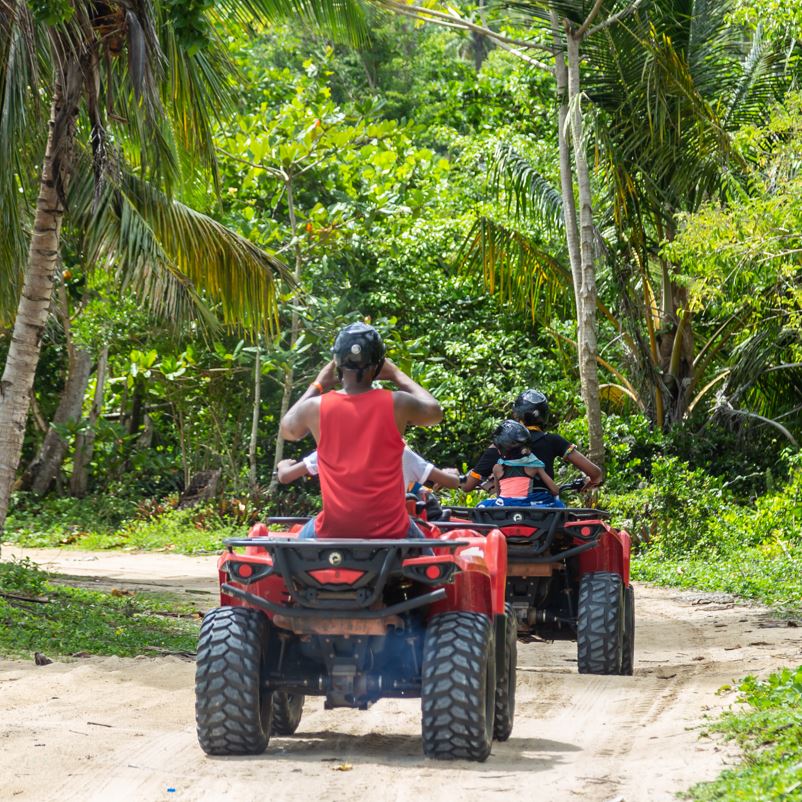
(625, 12)
(453, 20)
(583, 28)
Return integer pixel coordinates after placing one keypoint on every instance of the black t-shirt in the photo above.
(546, 446)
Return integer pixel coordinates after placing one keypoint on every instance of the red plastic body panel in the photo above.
(612, 553)
(479, 585)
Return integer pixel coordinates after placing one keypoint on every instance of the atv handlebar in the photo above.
(575, 485)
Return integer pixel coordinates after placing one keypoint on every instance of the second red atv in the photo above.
(568, 577)
(355, 621)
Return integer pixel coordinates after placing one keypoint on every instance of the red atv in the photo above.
(356, 621)
(568, 577)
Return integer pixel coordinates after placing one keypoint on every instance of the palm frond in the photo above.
(618, 398)
(763, 80)
(344, 20)
(516, 268)
(764, 376)
(527, 191)
(22, 136)
(176, 259)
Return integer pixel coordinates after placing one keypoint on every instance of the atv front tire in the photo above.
(600, 624)
(233, 708)
(628, 656)
(505, 682)
(458, 687)
(287, 711)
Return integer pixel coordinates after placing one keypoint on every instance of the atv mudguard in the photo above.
(479, 586)
(611, 554)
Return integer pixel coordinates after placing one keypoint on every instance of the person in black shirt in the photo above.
(532, 409)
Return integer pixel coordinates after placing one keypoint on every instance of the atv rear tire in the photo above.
(287, 711)
(505, 683)
(628, 656)
(233, 708)
(600, 624)
(458, 687)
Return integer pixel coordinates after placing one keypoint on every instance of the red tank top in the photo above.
(359, 460)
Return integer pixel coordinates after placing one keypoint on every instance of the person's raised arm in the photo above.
(444, 477)
(413, 404)
(303, 416)
(288, 470)
(590, 469)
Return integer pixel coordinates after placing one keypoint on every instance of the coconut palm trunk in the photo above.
(34, 305)
(586, 292)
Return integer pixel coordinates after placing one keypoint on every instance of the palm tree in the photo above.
(558, 29)
(668, 87)
(132, 87)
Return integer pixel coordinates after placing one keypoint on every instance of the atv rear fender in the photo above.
(611, 554)
(479, 586)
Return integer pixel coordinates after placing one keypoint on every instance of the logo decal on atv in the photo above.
(335, 558)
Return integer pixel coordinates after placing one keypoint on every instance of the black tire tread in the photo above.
(228, 671)
(599, 623)
(628, 656)
(505, 684)
(287, 711)
(458, 662)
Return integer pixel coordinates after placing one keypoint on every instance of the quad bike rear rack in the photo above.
(546, 521)
(297, 561)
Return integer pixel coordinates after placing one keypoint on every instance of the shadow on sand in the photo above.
(533, 754)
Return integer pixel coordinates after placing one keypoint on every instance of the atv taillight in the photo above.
(247, 572)
(336, 576)
(430, 570)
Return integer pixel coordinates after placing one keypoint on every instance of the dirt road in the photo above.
(123, 729)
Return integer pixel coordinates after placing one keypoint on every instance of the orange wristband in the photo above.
(318, 386)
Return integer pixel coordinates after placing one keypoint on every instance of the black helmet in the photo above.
(510, 435)
(358, 347)
(531, 407)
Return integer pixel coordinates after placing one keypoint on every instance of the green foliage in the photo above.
(691, 531)
(35, 521)
(51, 12)
(67, 620)
(768, 728)
(188, 18)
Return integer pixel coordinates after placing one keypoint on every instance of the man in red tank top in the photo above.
(359, 431)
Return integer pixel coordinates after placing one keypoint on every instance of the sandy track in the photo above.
(120, 729)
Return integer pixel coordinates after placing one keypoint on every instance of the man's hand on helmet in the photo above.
(389, 372)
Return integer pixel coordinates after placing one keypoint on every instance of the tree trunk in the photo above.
(34, 305)
(257, 400)
(586, 292)
(566, 170)
(85, 442)
(54, 448)
(295, 330)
